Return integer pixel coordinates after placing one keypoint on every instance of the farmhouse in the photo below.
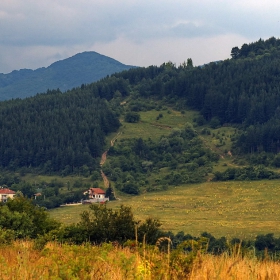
(5, 194)
(95, 195)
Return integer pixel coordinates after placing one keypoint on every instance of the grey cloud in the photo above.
(66, 24)
(91, 22)
(191, 30)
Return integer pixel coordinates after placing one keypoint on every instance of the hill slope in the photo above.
(82, 68)
(241, 92)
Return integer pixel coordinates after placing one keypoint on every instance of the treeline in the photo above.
(258, 172)
(260, 47)
(263, 246)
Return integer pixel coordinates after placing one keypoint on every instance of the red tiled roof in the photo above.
(97, 190)
(6, 191)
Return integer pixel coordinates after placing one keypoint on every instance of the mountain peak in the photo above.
(81, 68)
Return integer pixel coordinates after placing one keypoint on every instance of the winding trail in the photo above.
(103, 160)
(105, 180)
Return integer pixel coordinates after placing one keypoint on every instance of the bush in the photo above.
(6, 236)
(25, 219)
(132, 117)
(215, 122)
(101, 224)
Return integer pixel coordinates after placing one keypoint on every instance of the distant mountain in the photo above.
(82, 68)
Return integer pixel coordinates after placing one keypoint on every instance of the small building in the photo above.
(5, 194)
(37, 195)
(95, 195)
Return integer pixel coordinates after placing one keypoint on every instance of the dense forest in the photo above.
(243, 91)
(55, 131)
(65, 132)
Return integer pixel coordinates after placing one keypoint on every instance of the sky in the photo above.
(36, 33)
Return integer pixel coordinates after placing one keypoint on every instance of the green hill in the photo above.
(179, 125)
(82, 68)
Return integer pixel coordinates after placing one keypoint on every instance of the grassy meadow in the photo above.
(232, 209)
(150, 126)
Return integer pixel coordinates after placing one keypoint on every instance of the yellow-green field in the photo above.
(232, 209)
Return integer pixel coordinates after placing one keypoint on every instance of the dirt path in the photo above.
(103, 160)
(105, 180)
(104, 155)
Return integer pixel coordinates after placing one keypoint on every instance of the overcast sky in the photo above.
(36, 33)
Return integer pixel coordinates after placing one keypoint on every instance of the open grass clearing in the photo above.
(150, 127)
(233, 209)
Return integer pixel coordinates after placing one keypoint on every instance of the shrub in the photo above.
(132, 117)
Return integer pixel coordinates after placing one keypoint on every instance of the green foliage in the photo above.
(25, 219)
(178, 158)
(237, 91)
(189, 63)
(214, 123)
(110, 194)
(259, 48)
(71, 144)
(241, 91)
(132, 117)
(276, 161)
(185, 254)
(245, 173)
(101, 224)
(7, 236)
(53, 194)
(130, 187)
(95, 176)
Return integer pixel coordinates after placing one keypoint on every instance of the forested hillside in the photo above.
(55, 131)
(82, 68)
(242, 91)
(63, 132)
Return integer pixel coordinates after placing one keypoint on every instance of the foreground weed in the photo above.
(20, 261)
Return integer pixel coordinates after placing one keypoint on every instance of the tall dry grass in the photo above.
(225, 267)
(22, 261)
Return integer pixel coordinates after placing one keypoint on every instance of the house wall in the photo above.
(95, 200)
(99, 196)
(4, 197)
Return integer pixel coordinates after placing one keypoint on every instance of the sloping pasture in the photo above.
(233, 209)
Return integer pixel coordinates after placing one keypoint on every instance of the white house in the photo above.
(95, 195)
(5, 194)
